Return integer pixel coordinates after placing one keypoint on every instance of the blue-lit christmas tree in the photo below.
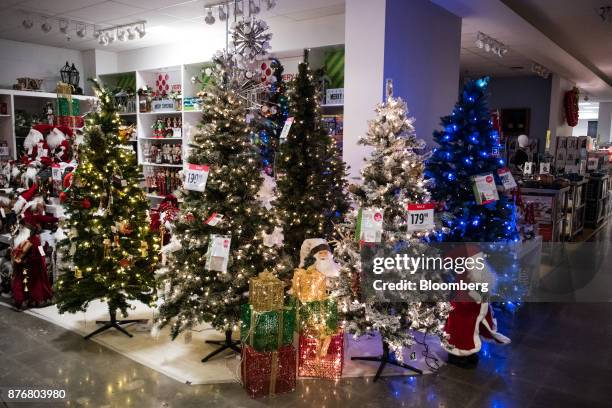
(468, 147)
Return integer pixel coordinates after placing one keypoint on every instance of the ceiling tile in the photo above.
(103, 12)
(54, 7)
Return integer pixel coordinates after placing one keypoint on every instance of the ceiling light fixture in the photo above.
(63, 26)
(46, 26)
(140, 29)
(270, 4)
(27, 23)
(209, 19)
(254, 9)
(131, 33)
(81, 30)
(222, 12)
(540, 70)
(121, 35)
(238, 8)
(490, 44)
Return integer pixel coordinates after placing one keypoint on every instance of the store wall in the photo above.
(21, 59)
(422, 46)
(287, 36)
(524, 92)
(604, 134)
(581, 128)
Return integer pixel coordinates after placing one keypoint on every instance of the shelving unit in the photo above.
(597, 198)
(575, 209)
(144, 121)
(550, 207)
(31, 102)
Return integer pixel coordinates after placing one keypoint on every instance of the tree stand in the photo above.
(384, 359)
(228, 343)
(113, 323)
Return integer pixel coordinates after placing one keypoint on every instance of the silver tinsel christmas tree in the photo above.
(392, 178)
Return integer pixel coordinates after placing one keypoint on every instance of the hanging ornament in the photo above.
(116, 241)
(144, 249)
(250, 40)
(85, 203)
(77, 273)
(107, 247)
(124, 227)
(63, 197)
(124, 263)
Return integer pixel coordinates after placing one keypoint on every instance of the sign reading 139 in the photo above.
(420, 217)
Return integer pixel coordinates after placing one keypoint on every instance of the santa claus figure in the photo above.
(59, 144)
(316, 252)
(36, 149)
(22, 202)
(30, 284)
(471, 318)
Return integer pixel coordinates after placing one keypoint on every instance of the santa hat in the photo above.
(310, 247)
(42, 129)
(24, 198)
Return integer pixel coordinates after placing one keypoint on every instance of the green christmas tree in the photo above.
(202, 288)
(109, 251)
(311, 175)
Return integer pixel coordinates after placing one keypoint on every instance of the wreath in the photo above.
(571, 106)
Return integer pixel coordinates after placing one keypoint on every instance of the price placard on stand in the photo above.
(420, 217)
(506, 178)
(195, 177)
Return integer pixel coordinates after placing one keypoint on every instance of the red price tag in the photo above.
(420, 217)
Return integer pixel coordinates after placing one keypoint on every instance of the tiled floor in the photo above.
(561, 356)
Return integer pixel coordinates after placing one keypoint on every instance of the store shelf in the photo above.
(161, 165)
(46, 95)
(180, 139)
(5, 116)
(170, 112)
(128, 113)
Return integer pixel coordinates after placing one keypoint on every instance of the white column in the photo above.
(363, 75)
(604, 123)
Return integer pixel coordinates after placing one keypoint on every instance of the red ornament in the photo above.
(62, 197)
(85, 203)
(124, 263)
(67, 183)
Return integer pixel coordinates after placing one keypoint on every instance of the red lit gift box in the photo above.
(267, 373)
(321, 356)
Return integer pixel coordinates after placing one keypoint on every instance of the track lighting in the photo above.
(270, 4)
(238, 8)
(104, 36)
(540, 70)
(209, 19)
(490, 44)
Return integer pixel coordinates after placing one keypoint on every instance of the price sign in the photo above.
(544, 168)
(286, 128)
(214, 219)
(420, 217)
(506, 178)
(528, 168)
(218, 253)
(195, 177)
(56, 172)
(370, 225)
(485, 191)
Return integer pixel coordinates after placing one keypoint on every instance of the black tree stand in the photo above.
(228, 343)
(113, 323)
(384, 359)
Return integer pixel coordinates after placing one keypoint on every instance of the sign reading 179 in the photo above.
(420, 217)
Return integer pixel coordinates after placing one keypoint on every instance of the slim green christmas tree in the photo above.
(311, 175)
(110, 252)
(221, 225)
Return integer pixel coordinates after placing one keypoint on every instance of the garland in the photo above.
(571, 106)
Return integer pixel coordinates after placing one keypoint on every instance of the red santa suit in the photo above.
(30, 279)
(59, 145)
(37, 150)
(470, 318)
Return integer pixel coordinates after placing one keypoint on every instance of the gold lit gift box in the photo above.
(309, 285)
(266, 292)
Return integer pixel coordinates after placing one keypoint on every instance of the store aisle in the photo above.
(560, 357)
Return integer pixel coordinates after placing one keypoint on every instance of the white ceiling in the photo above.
(182, 18)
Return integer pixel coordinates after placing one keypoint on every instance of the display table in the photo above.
(550, 207)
